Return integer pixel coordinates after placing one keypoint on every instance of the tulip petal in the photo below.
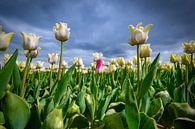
(147, 27)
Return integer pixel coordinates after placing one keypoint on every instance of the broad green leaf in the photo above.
(91, 105)
(16, 111)
(6, 73)
(184, 123)
(16, 79)
(147, 122)
(156, 108)
(2, 119)
(131, 108)
(147, 82)
(113, 121)
(81, 100)
(54, 120)
(78, 121)
(179, 94)
(62, 86)
(105, 105)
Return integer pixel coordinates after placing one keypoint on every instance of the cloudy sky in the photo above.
(99, 25)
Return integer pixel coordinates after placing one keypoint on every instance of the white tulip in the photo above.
(62, 32)
(53, 58)
(5, 40)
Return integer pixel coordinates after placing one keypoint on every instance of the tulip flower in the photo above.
(145, 50)
(33, 53)
(21, 64)
(97, 56)
(121, 61)
(128, 62)
(174, 58)
(78, 61)
(30, 41)
(62, 34)
(185, 59)
(99, 65)
(113, 61)
(112, 68)
(189, 48)
(139, 34)
(39, 65)
(64, 64)
(5, 40)
(52, 58)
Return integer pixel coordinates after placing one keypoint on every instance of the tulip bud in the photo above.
(99, 65)
(139, 34)
(174, 58)
(97, 56)
(113, 61)
(128, 62)
(64, 64)
(185, 59)
(62, 32)
(189, 47)
(5, 40)
(148, 61)
(112, 68)
(33, 53)
(167, 66)
(121, 61)
(30, 41)
(39, 64)
(32, 66)
(21, 64)
(135, 60)
(93, 66)
(145, 50)
(78, 61)
(53, 58)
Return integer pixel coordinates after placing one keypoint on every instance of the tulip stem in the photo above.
(145, 66)
(50, 78)
(22, 90)
(60, 64)
(192, 60)
(138, 67)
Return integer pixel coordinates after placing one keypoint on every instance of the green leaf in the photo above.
(156, 108)
(78, 121)
(2, 119)
(16, 111)
(81, 100)
(179, 94)
(131, 108)
(113, 121)
(62, 86)
(91, 105)
(6, 73)
(147, 82)
(184, 123)
(16, 79)
(147, 122)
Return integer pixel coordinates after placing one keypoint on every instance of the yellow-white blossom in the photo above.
(189, 47)
(185, 59)
(6, 57)
(113, 61)
(139, 34)
(21, 64)
(64, 64)
(78, 61)
(174, 58)
(97, 56)
(112, 67)
(121, 61)
(30, 41)
(39, 64)
(135, 60)
(52, 58)
(62, 32)
(5, 40)
(145, 50)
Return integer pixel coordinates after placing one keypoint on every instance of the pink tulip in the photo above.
(99, 65)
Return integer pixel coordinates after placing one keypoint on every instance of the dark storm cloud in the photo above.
(100, 25)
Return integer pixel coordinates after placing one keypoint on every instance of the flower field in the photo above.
(142, 93)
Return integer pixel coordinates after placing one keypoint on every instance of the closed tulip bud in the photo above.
(97, 56)
(30, 41)
(168, 66)
(5, 40)
(6, 57)
(139, 34)
(113, 61)
(62, 32)
(148, 61)
(145, 50)
(189, 47)
(174, 58)
(40, 64)
(64, 64)
(21, 64)
(112, 68)
(53, 58)
(78, 61)
(129, 67)
(121, 61)
(33, 53)
(99, 65)
(185, 59)
(128, 62)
